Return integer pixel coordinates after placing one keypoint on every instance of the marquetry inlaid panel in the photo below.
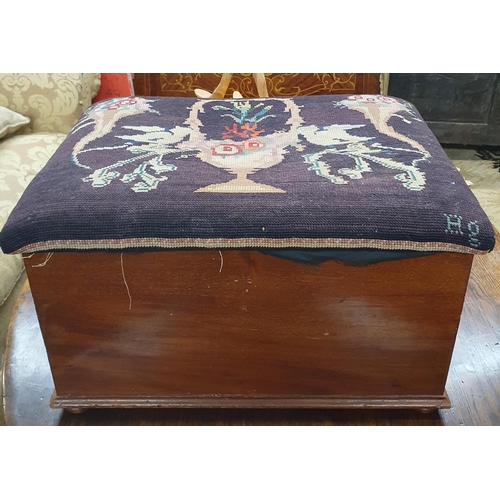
(278, 84)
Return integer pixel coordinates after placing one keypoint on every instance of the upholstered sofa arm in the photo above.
(52, 101)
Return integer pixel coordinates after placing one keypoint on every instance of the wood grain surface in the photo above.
(473, 383)
(241, 324)
(278, 84)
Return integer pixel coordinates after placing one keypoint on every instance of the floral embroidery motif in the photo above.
(219, 147)
(338, 141)
(243, 136)
(151, 146)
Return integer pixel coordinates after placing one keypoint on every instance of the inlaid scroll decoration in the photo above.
(278, 84)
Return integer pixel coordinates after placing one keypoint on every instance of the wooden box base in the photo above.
(242, 329)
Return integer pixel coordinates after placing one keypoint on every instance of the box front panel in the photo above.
(244, 323)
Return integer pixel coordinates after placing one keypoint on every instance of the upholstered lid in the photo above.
(352, 171)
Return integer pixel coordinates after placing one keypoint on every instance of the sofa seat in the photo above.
(21, 158)
(37, 110)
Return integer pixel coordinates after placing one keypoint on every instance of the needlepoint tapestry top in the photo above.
(352, 171)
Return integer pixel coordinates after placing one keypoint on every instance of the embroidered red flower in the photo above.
(363, 98)
(234, 149)
(253, 144)
(245, 131)
(226, 149)
(122, 102)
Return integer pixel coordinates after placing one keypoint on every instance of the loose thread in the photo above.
(125, 281)
(221, 261)
(29, 256)
(49, 255)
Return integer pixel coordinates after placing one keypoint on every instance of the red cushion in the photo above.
(114, 85)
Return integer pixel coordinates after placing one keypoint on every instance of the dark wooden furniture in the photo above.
(472, 382)
(240, 329)
(243, 329)
(460, 108)
(278, 84)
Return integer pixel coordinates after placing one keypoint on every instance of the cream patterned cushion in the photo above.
(11, 267)
(11, 121)
(21, 158)
(52, 101)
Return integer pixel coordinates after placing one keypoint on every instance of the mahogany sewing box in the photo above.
(272, 252)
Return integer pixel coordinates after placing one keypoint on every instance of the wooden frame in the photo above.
(277, 84)
(238, 328)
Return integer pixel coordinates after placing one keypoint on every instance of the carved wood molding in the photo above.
(82, 403)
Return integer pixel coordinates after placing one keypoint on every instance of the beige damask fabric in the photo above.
(10, 121)
(21, 158)
(11, 267)
(52, 101)
(50, 104)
